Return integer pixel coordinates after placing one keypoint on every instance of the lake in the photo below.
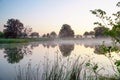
(15, 56)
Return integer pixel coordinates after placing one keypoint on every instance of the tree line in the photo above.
(14, 28)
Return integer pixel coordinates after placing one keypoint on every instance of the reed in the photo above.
(69, 70)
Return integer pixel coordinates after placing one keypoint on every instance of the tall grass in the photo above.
(70, 70)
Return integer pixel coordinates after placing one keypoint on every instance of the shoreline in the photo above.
(59, 41)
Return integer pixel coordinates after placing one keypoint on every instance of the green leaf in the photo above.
(117, 63)
(95, 67)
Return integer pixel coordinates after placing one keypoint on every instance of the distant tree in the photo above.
(66, 31)
(13, 28)
(99, 31)
(53, 35)
(89, 33)
(86, 33)
(44, 35)
(1, 34)
(78, 36)
(26, 32)
(34, 34)
(48, 35)
(92, 33)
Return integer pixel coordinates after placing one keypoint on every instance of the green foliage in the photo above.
(97, 23)
(88, 64)
(103, 49)
(114, 32)
(25, 40)
(1, 34)
(108, 78)
(95, 67)
(100, 31)
(99, 13)
(108, 21)
(13, 40)
(117, 63)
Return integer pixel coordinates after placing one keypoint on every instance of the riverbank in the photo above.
(13, 40)
(21, 40)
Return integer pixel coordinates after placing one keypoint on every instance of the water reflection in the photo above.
(16, 53)
(89, 46)
(96, 50)
(66, 49)
(33, 45)
(48, 45)
(13, 55)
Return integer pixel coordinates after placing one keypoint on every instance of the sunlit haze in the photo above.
(45, 16)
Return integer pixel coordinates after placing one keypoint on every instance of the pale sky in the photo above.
(49, 15)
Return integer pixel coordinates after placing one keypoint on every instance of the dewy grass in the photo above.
(13, 40)
(23, 40)
(61, 70)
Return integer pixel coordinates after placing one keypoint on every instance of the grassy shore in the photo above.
(21, 40)
(13, 40)
(25, 40)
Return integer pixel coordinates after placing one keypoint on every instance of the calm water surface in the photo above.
(13, 55)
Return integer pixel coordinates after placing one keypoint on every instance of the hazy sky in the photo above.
(49, 15)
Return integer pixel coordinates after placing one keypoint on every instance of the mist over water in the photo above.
(13, 55)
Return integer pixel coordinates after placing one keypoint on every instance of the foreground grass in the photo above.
(74, 70)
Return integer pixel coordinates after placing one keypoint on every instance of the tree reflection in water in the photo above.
(33, 45)
(66, 49)
(16, 53)
(48, 45)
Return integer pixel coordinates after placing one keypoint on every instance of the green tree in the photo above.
(113, 21)
(13, 28)
(100, 31)
(1, 34)
(66, 31)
